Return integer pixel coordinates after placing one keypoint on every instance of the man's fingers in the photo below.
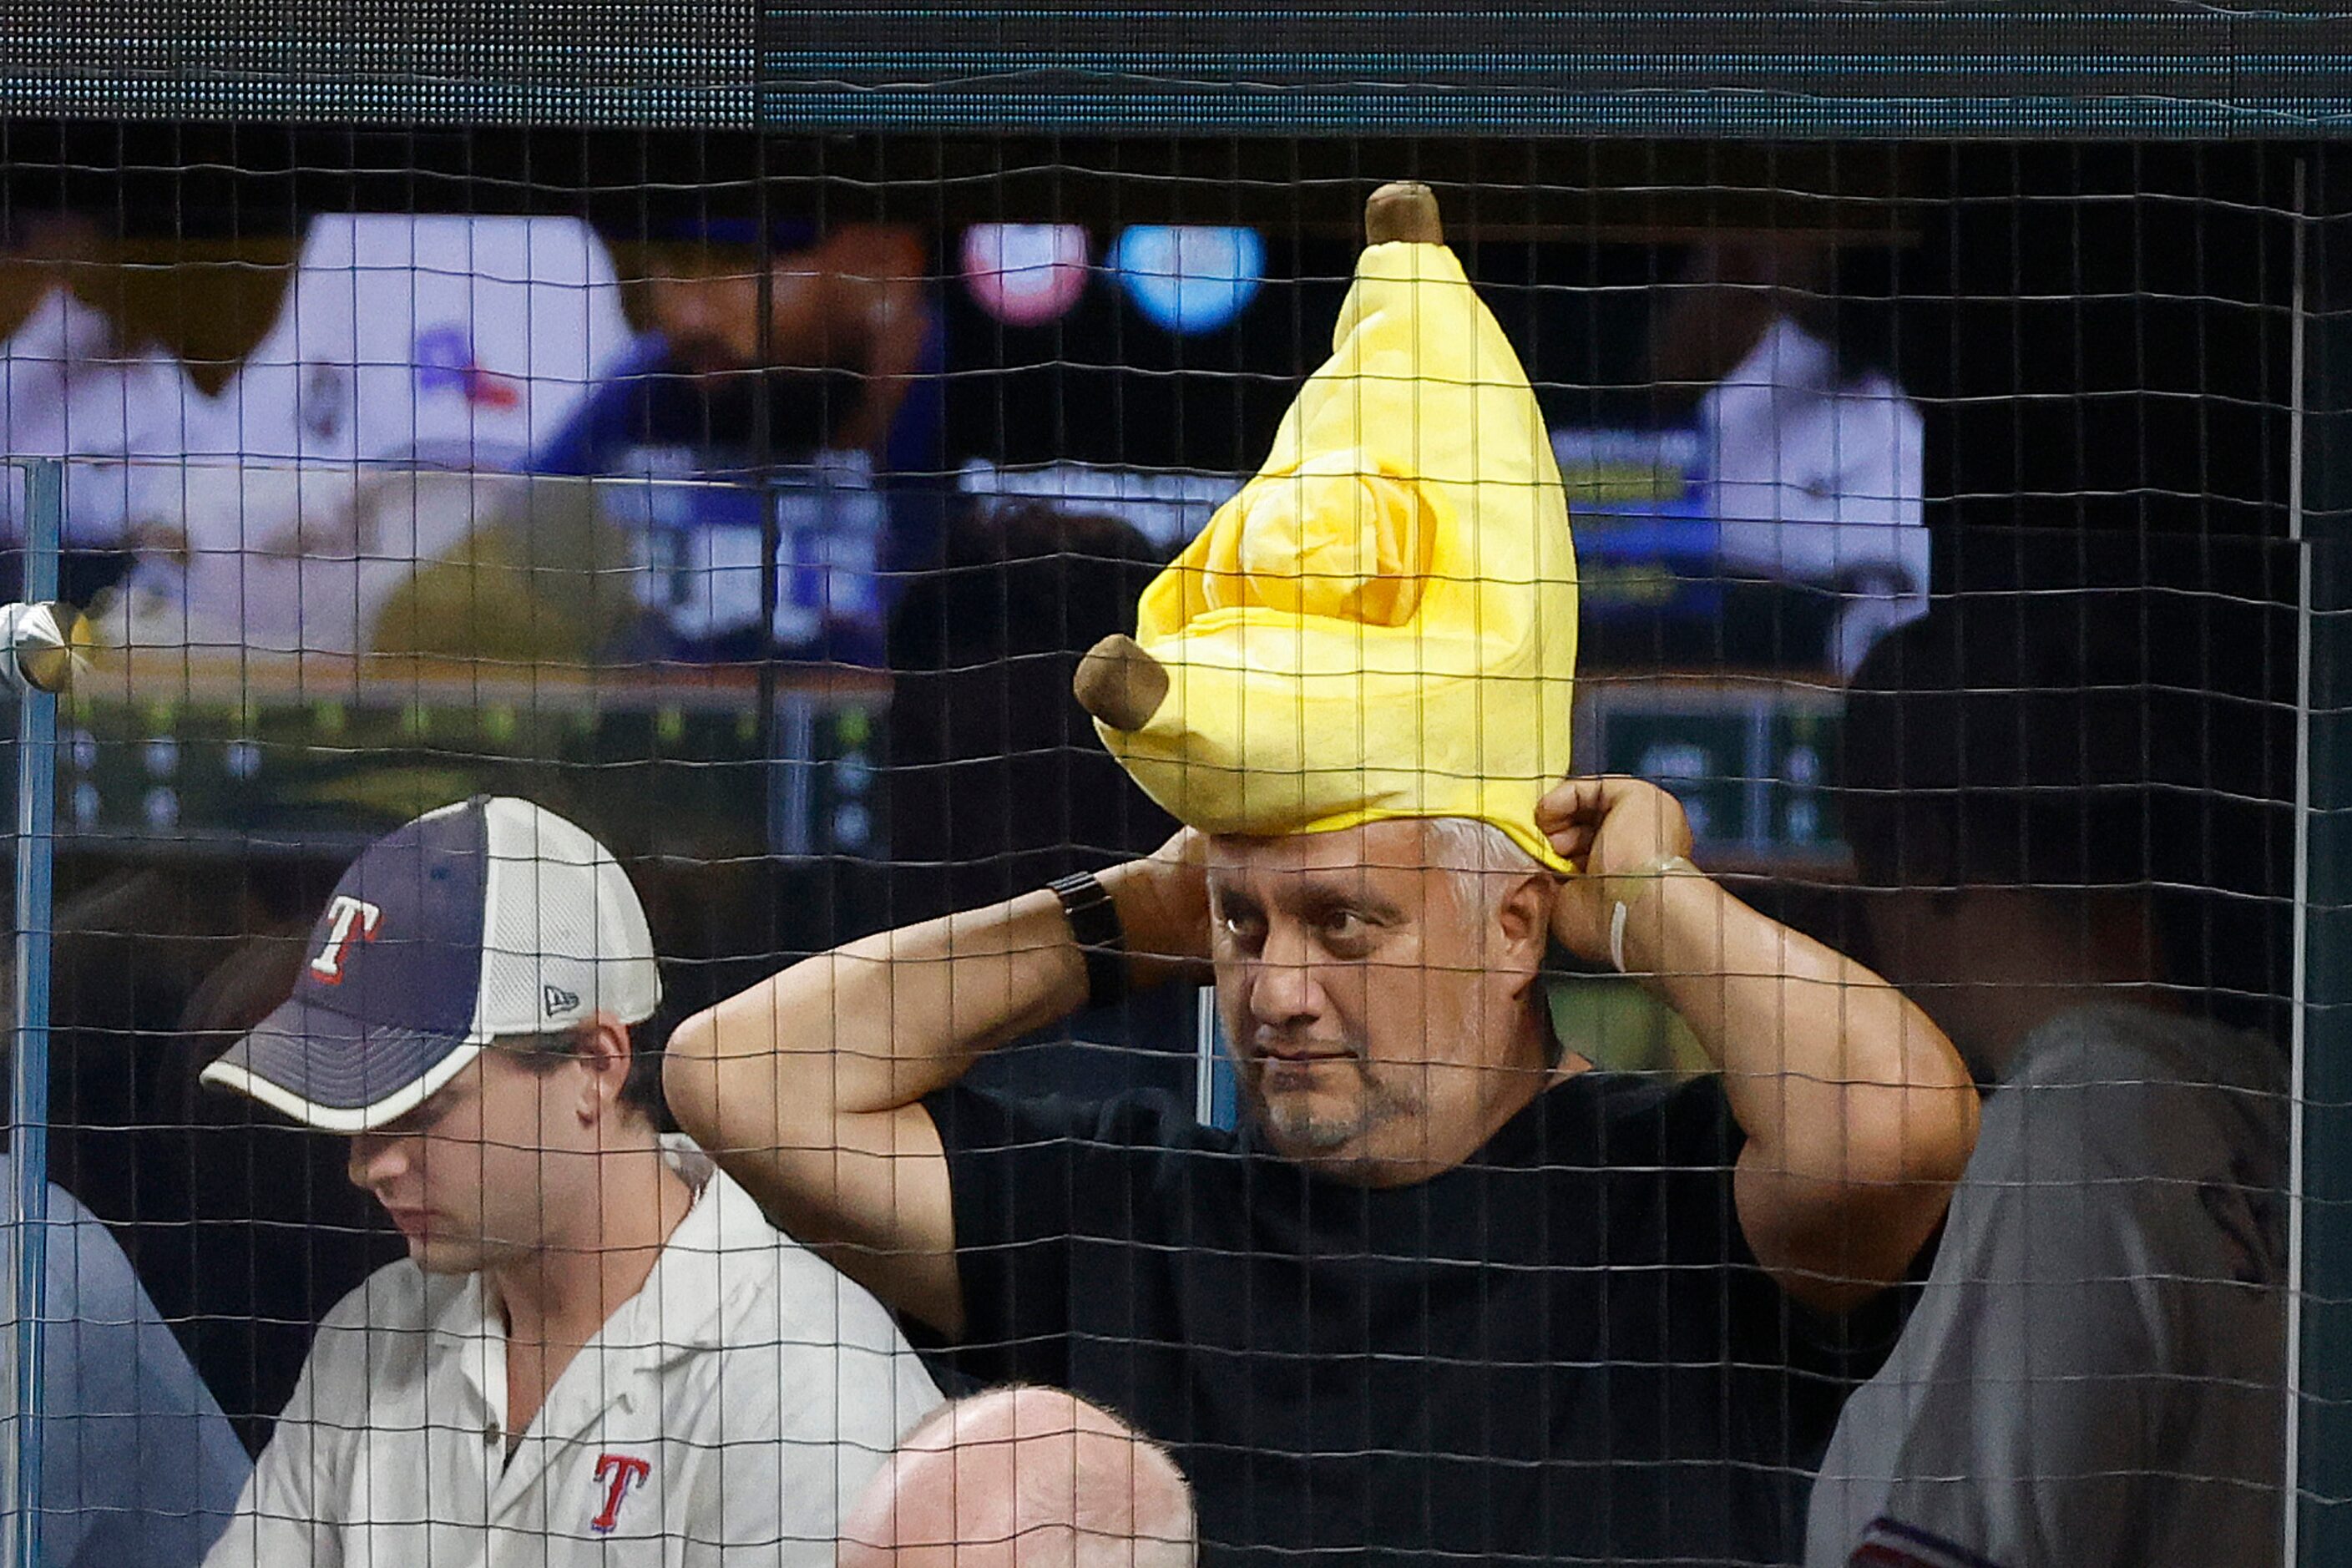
(1569, 817)
(1571, 842)
(1579, 805)
(1569, 803)
(1611, 817)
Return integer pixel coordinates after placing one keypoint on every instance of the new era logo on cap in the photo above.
(488, 918)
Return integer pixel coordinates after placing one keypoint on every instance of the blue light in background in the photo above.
(1189, 278)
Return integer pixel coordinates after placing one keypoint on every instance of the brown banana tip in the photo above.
(1119, 683)
(1403, 210)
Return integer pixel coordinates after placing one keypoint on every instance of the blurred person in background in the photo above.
(849, 330)
(138, 1466)
(1026, 1476)
(804, 365)
(597, 1349)
(1812, 454)
(76, 383)
(2094, 1375)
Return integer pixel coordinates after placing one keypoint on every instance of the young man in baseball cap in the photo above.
(596, 1340)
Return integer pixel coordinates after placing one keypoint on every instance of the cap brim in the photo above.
(329, 1071)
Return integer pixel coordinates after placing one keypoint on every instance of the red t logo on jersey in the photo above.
(620, 1474)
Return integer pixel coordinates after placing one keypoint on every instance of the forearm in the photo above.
(1816, 1050)
(806, 1088)
(1859, 1115)
(874, 1025)
(878, 1023)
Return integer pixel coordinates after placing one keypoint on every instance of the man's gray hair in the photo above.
(1485, 861)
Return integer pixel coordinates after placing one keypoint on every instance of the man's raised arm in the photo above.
(1860, 1115)
(807, 1088)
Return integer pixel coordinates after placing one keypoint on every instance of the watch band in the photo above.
(1094, 927)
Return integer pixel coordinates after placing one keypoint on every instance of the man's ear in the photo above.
(1524, 922)
(601, 1046)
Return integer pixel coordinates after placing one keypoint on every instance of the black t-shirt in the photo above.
(1561, 1352)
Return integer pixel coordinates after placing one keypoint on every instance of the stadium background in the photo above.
(2100, 251)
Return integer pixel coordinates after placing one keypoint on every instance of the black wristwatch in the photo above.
(1094, 927)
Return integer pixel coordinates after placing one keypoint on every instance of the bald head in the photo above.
(1023, 1478)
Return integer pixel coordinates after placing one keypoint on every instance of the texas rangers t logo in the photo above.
(348, 920)
(620, 1474)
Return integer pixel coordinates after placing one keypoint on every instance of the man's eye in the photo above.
(1344, 925)
(1241, 926)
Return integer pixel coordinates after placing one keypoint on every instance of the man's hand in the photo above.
(1613, 827)
(1163, 904)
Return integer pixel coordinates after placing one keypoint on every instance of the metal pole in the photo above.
(2298, 1017)
(1204, 1056)
(28, 1145)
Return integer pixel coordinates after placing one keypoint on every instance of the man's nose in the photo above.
(376, 1159)
(1284, 990)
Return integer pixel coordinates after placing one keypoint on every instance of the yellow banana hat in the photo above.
(1382, 622)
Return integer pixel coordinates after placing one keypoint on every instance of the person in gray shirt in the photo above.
(138, 1466)
(2093, 1372)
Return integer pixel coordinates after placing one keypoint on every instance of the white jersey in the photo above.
(452, 344)
(69, 389)
(733, 1409)
(2094, 1377)
(1816, 476)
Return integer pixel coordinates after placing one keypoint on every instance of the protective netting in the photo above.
(751, 501)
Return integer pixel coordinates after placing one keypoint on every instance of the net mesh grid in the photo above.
(808, 695)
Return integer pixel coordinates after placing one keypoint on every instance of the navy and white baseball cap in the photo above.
(487, 919)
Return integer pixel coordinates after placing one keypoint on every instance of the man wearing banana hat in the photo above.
(1450, 1292)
